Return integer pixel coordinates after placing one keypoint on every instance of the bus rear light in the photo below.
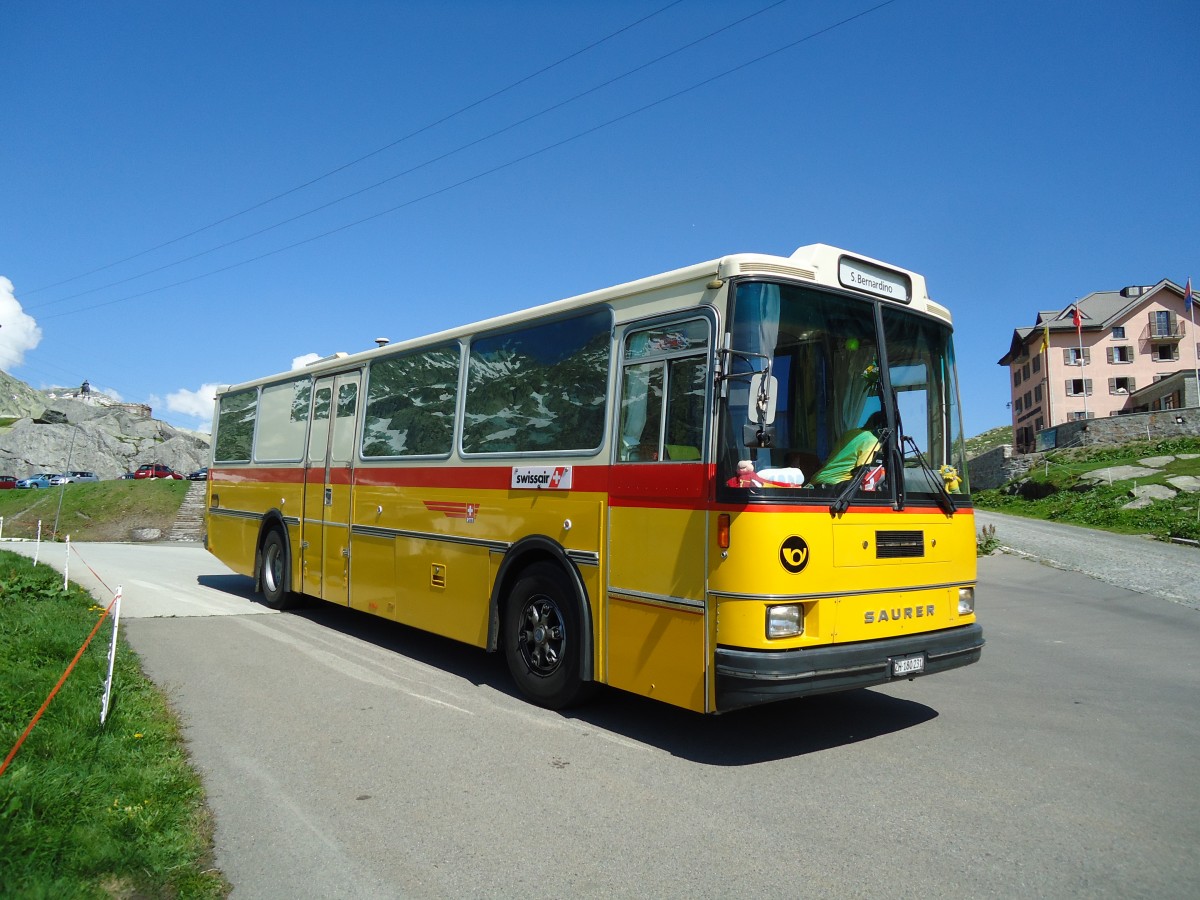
(723, 531)
(966, 601)
(785, 621)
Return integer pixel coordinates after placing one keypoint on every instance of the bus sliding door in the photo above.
(328, 483)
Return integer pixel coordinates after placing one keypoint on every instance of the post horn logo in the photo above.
(793, 554)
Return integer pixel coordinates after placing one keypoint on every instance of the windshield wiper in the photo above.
(944, 498)
(842, 502)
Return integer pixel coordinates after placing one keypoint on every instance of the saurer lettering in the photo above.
(870, 617)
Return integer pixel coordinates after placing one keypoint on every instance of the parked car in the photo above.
(156, 470)
(74, 478)
(199, 475)
(8, 482)
(36, 481)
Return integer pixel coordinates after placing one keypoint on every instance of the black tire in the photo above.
(272, 571)
(543, 637)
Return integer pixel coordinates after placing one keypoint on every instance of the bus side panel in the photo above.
(657, 652)
(236, 506)
(373, 574)
(656, 634)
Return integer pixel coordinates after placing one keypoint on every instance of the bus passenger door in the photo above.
(328, 486)
(657, 622)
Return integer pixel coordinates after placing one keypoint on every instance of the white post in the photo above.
(67, 563)
(37, 547)
(1, 528)
(112, 657)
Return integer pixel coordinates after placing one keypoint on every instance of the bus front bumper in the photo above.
(750, 677)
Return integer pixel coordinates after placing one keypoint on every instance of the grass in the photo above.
(988, 440)
(97, 511)
(89, 811)
(1071, 498)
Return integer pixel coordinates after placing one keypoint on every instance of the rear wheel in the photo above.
(272, 572)
(543, 637)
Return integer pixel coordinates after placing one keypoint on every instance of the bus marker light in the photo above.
(723, 531)
(785, 621)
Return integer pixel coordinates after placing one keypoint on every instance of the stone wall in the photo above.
(1002, 464)
(1150, 426)
(998, 465)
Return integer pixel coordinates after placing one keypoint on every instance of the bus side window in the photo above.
(663, 393)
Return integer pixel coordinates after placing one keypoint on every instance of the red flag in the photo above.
(1075, 319)
(1187, 295)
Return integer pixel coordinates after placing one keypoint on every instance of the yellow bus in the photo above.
(732, 483)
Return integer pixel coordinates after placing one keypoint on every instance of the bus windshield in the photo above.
(848, 389)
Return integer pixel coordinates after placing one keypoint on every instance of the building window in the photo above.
(1039, 423)
(1080, 416)
(1121, 353)
(1162, 324)
(1121, 386)
(1165, 352)
(1037, 393)
(1028, 399)
(1037, 362)
(1016, 377)
(1025, 371)
(1118, 333)
(1079, 387)
(1017, 405)
(1071, 356)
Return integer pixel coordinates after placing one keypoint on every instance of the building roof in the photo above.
(1098, 311)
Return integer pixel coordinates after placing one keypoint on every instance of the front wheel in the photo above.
(272, 572)
(543, 638)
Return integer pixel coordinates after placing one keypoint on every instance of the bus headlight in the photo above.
(966, 601)
(785, 621)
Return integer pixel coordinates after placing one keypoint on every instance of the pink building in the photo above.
(1134, 351)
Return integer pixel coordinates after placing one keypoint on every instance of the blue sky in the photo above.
(1019, 155)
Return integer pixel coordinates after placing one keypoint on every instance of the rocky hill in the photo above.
(84, 430)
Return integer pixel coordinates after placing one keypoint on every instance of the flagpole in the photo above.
(1082, 359)
(1189, 302)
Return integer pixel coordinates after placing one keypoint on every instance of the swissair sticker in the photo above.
(541, 478)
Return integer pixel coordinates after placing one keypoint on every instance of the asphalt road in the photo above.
(348, 757)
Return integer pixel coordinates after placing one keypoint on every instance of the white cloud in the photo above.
(301, 361)
(197, 403)
(19, 331)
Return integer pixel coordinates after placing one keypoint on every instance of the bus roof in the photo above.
(820, 264)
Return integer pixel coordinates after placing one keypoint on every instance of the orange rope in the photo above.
(28, 728)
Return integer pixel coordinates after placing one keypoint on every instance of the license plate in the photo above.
(908, 665)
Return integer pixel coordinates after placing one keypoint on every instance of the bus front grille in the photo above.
(899, 544)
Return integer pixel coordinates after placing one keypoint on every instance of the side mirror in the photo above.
(760, 405)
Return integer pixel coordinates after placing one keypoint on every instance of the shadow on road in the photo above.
(235, 585)
(744, 737)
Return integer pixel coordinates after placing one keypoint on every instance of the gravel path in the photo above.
(1136, 563)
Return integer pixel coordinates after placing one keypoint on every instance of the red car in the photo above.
(7, 482)
(156, 470)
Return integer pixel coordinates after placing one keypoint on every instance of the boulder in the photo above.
(1157, 462)
(1119, 473)
(1152, 492)
(1188, 483)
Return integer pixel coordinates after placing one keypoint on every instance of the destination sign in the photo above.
(872, 279)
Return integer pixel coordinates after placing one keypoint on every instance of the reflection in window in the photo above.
(539, 389)
(343, 423)
(283, 421)
(235, 427)
(667, 360)
(410, 404)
